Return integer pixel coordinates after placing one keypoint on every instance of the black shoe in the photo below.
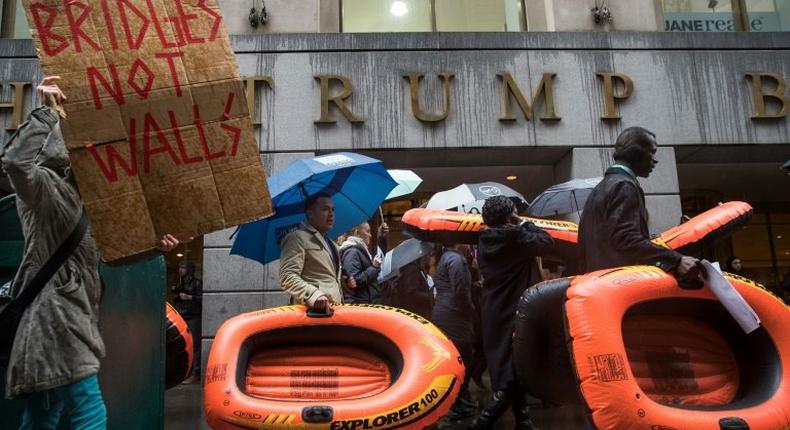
(460, 411)
(491, 412)
(521, 410)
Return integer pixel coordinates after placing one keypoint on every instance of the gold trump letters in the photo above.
(509, 87)
(768, 92)
(609, 93)
(761, 95)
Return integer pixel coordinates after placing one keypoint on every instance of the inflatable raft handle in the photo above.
(312, 313)
(733, 423)
(317, 414)
(690, 284)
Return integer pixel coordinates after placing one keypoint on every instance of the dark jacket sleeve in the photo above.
(197, 292)
(623, 215)
(382, 242)
(458, 273)
(534, 240)
(354, 265)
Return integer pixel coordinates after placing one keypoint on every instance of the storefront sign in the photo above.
(156, 119)
(718, 21)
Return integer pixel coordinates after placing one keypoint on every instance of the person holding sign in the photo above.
(55, 353)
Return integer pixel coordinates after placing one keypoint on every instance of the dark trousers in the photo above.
(194, 324)
(467, 355)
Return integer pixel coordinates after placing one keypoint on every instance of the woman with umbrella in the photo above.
(358, 264)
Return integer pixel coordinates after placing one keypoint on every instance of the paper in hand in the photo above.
(731, 299)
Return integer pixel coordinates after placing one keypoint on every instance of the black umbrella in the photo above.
(565, 198)
(467, 195)
(405, 253)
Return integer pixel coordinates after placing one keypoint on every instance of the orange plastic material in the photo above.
(419, 391)
(323, 373)
(711, 221)
(179, 353)
(613, 386)
(425, 224)
(449, 221)
(680, 360)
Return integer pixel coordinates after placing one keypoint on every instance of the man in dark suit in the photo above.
(613, 229)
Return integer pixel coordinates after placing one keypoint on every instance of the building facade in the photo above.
(533, 92)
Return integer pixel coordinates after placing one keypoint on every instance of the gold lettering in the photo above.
(414, 82)
(544, 87)
(759, 97)
(17, 105)
(250, 90)
(610, 93)
(338, 100)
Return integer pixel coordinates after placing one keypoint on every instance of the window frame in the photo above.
(432, 6)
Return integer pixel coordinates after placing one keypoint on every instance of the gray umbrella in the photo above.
(407, 252)
(567, 197)
(468, 194)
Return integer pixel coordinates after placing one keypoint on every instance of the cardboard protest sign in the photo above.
(157, 126)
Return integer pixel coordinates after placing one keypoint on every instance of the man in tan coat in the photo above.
(309, 260)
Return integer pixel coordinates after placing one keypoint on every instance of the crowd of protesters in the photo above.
(483, 281)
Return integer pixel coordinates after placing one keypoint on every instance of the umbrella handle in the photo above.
(381, 213)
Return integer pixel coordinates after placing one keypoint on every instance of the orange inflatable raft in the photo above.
(364, 367)
(178, 348)
(639, 352)
(441, 226)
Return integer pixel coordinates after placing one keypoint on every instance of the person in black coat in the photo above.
(613, 229)
(452, 311)
(506, 255)
(358, 264)
(188, 302)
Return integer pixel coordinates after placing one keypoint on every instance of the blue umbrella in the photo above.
(357, 184)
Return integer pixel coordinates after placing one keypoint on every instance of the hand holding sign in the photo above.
(158, 131)
(50, 94)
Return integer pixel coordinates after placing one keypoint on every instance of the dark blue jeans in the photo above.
(195, 329)
(82, 400)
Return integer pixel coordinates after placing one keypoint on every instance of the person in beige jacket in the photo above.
(310, 261)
